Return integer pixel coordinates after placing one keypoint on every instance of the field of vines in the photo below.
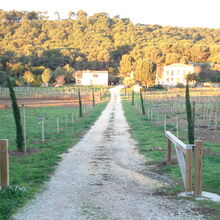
(46, 112)
(167, 109)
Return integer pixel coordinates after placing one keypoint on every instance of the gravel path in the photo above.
(102, 178)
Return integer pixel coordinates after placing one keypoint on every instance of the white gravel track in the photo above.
(102, 178)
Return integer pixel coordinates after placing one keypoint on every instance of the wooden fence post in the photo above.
(58, 127)
(198, 153)
(42, 129)
(169, 151)
(4, 162)
(189, 169)
(165, 122)
(24, 128)
(93, 98)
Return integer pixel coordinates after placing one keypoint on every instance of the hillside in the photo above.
(29, 40)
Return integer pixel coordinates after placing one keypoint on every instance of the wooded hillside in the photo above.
(29, 41)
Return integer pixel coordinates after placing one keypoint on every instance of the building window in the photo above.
(168, 79)
(167, 72)
(95, 75)
(178, 72)
(172, 72)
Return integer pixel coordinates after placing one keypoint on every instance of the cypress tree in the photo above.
(142, 102)
(80, 104)
(132, 102)
(17, 117)
(189, 116)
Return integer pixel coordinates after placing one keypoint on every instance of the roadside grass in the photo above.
(150, 137)
(32, 170)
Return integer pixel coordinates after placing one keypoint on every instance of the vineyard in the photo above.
(167, 109)
(53, 120)
(162, 111)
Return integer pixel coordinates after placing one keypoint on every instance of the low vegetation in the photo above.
(153, 144)
(28, 172)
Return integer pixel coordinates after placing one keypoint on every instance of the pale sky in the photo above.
(185, 13)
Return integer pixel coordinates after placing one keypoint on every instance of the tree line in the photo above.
(31, 43)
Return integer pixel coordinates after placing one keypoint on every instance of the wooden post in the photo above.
(66, 120)
(169, 151)
(165, 122)
(189, 169)
(24, 128)
(72, 117)
(58, 129)
(193, 115)
(42, 129)
(4, 162)
(177, 126)
(198, 167)
(93, 98)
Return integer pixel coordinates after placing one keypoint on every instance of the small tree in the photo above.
(28, 77)
(129, 81)
(189, 116)
(17, 117)
(46, 75)
(145, 72)
(60, 80)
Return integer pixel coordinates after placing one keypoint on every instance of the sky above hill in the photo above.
(184, 13)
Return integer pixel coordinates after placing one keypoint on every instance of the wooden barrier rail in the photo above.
(184, 154)
(4, 162)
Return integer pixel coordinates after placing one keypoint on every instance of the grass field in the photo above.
(153, 143)
(32, 170)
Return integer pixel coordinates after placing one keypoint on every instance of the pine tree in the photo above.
(17, 117)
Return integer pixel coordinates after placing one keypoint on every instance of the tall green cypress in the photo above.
(142, 102)
(80, 104)
(17, 117)
(132, 102)
(189, 116)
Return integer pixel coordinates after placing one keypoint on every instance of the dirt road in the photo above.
(102, 178)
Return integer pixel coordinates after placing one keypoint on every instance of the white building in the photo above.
(176, 73)
(91, 77)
